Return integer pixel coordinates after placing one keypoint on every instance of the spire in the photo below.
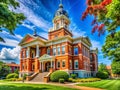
(35, 33)
(60, 5)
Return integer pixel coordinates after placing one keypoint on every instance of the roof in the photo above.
(36, 35)
(12, 64)
(61, 11)
(108, 67)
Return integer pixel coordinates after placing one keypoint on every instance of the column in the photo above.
(42, 66)
(51, 63)
(28, 52)
(37, 50)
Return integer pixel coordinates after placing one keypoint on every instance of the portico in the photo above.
(46, 62)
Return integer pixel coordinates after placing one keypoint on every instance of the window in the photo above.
(54, 51)
(58, 49)
(33, 53)
(75, 50)
(58, 64)
(76, 64)
(70, 50)
(48, 51)
(57, 26)
(56, 36)
(63, 63)
(70, 64)
(63, 49)
(23, 66)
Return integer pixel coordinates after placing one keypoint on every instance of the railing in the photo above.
(47, 77)
(28, 78)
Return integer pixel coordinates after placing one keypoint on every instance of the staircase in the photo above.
(39, 77)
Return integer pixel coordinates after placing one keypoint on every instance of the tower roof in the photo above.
(61, 11)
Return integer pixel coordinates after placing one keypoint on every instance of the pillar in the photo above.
(28, 52)
(42, 66)
(51, 63)
(37, 50)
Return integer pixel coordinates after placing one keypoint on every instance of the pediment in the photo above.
(46, 57)
(28, 38)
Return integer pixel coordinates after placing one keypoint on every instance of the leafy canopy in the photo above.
(8, 18)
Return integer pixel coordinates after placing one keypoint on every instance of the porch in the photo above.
(47, 62)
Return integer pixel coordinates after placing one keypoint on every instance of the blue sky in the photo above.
(39, 14)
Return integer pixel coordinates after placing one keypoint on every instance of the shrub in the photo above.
(73, 76)
(12, 75)
(102, 75)
(70, 79)
(24, 76)
(61, 80)
(55, 76)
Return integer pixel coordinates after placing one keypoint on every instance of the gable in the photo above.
(28, 38)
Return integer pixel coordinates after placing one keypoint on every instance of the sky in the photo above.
(39, 14)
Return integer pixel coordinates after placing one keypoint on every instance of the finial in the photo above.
(60, 1)
(35, 33)
(60, 5)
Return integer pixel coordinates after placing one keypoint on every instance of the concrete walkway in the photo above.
(69, 85)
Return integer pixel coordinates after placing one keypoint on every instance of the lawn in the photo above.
(105, 84)
(24, 86)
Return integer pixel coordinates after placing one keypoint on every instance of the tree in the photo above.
(8, 18)
(111, 48)
(106, 15)
(102, 71)
(116, 67)
(102, 68)
(4, 70)
(106, 18)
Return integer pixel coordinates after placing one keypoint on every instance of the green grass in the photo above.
(24, 86)
(104, 84)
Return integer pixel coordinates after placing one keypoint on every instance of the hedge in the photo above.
(55, 76)
(12, 75)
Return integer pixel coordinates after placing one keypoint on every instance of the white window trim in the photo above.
(74, 52)
(75, 64)
(57, 64)
(62, 63)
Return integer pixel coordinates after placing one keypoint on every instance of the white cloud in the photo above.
(10, 40)
(76, 30)
(96, 44)
(8, 54)
(32, 17)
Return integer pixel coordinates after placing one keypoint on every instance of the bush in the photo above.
(84, 80)
(102, 75)
(55, 76)
(73, 76)
(24, 76)
(61, 80)
(12, 75)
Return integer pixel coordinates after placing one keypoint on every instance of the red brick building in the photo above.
(13, 66)
(60, 51)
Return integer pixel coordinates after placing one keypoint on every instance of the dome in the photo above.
(60, 11)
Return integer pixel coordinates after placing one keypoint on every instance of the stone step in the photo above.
(39, 77)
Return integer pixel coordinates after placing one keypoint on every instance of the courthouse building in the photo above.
(61, 51)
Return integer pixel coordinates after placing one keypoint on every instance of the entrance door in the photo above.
(47, 66)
